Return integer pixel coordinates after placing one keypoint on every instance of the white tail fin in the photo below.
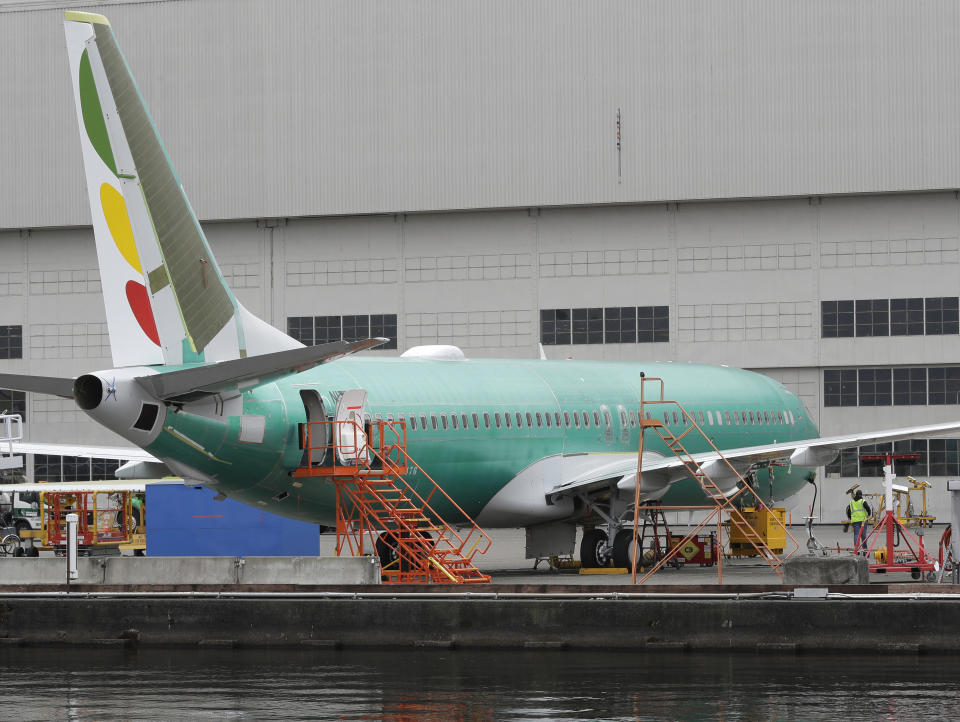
(166, 300)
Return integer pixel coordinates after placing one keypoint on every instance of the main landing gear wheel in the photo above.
(623, 550)
(594, 550)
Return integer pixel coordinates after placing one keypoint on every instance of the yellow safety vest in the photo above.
(857, 512)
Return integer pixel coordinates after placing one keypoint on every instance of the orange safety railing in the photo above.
(368, 465)
(102, 517)
(723, 503)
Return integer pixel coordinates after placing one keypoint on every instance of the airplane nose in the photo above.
(88, 391)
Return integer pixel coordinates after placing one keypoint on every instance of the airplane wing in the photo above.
(602, 471)
(124, 453)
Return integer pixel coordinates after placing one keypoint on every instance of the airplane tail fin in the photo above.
(166, 299)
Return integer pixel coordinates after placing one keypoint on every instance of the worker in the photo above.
(857, 512)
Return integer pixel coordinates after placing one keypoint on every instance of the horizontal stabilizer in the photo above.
(193, 383)
(38, 384)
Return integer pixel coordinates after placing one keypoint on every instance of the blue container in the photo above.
(185, 521)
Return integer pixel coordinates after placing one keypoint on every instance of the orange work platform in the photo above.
(369, 466)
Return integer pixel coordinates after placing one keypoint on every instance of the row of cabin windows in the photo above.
(583, 419)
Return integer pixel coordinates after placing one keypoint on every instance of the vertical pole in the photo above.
(719, 549)
(72, 520)
(888, 477)
(636, 492)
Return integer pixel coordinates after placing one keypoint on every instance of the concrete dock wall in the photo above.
(139, 571)
(784, 625)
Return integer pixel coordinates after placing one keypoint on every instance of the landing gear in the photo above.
(387, 551)
(623, 549)
(594, 549)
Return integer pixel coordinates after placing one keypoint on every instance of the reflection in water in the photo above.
(67, 684)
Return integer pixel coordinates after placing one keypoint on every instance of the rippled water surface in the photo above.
(73, 684)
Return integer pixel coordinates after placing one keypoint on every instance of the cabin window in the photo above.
(607, 419)
(366, 418)
(700, 414)
(586, 420)
(486, 420)
(676, 419)
(506, 418)
(728, 417)
(576, 419)
(790, 413)
(423, 421)
(453, 418)
(633, 418)
(476, 421)
(519, 418)
(596, 418)
(539, 419)
(556, 419)
(666, 417)
(496, 418)
(623, 418)
(413, 422)
(779, 417)
(443, 420)
(546, 417)
(433, 421)
(529, 419)
(750, 416)
(709, 417)
(766, 419)
(736, 418)
(566, 419)
(379, 417)
(743, 417)
(463, 419)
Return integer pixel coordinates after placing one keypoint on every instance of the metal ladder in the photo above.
(374, 498)
(724, 504)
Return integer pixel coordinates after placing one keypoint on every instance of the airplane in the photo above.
(209, 392)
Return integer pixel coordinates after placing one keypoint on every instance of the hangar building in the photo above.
(766, 184)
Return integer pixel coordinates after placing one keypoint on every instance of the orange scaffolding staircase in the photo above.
(374, 500)
(722, 502)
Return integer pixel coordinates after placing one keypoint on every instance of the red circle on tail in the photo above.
(140, 305)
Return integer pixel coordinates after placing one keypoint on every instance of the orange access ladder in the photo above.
(373, 497)
(723, 504)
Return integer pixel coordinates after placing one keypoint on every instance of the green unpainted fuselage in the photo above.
(473, 463)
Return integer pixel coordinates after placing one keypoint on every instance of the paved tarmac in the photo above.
(506, 562)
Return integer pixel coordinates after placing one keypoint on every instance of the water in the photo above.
(73, 684)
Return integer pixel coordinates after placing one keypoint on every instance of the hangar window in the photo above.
(311, 330)
(836, 319)
(555, 326)
(653, 324)
(906, 316)
(942, 316)
(840, 387)
(627, 324)
(944, 385)
(874, 387)
(872, 317)
(486, 420)
(587, 325)
(11, 341)
(14, 402)
(944, 457)
(476, 420)
(909, 386)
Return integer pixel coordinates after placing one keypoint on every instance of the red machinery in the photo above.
(105, 517)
